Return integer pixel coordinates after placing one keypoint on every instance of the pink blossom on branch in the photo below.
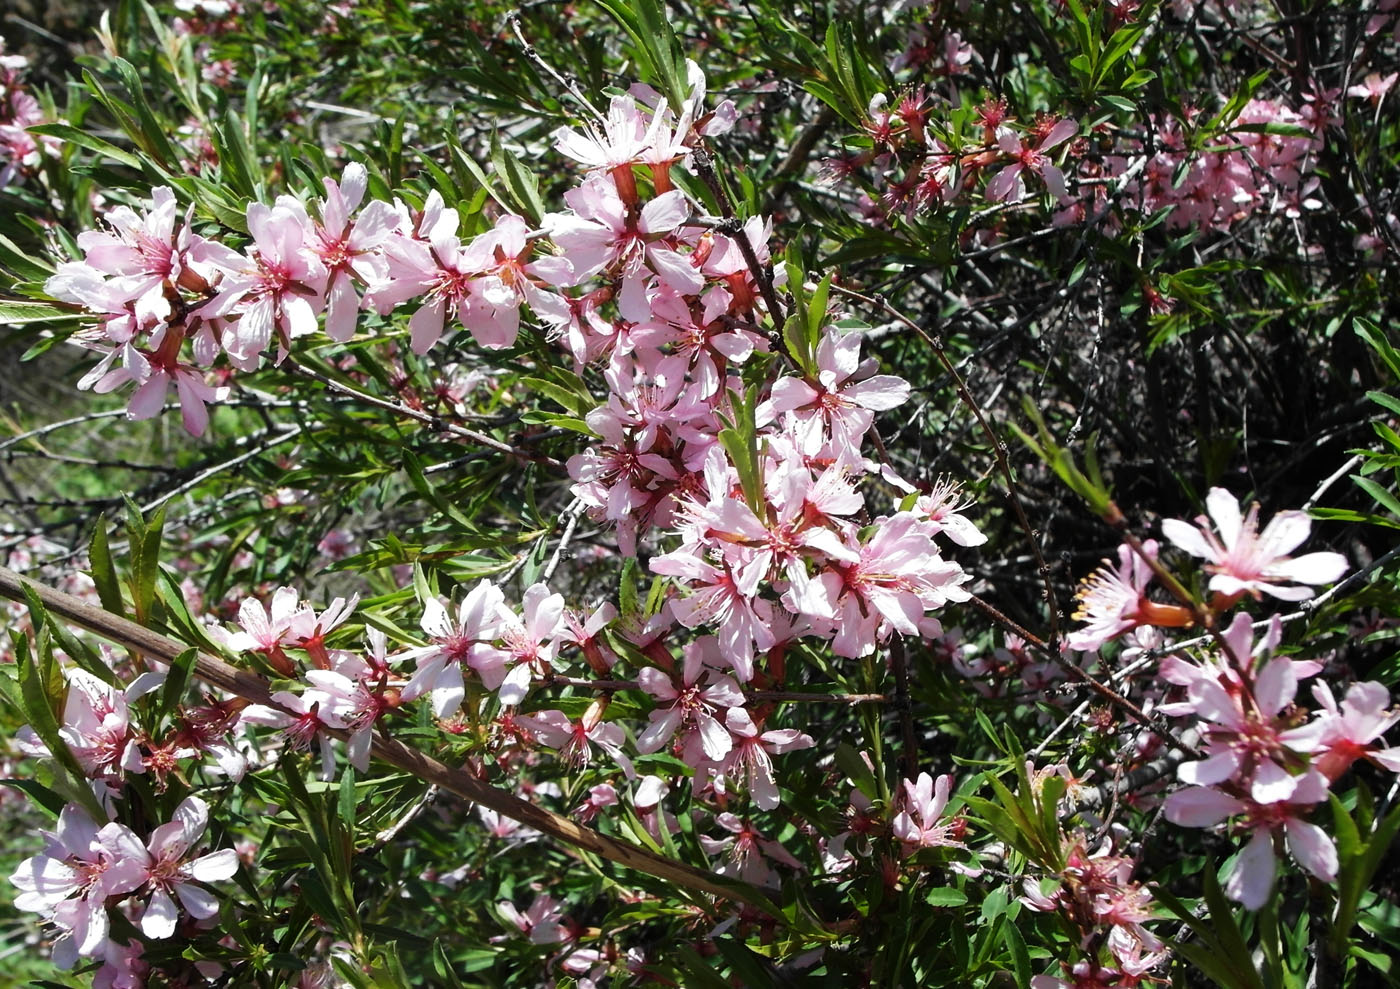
(173, 871)
(1252, 880)
(82, 864)
(1008, 185)
(1243, 560)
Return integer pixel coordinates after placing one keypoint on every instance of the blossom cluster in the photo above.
(1095, 890)
(1264, 761)
(20, 151)
(87, 867)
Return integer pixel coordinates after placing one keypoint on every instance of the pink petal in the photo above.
(214, 867)
(1252, 879)
(198, 903)
(1312, 848)
(159, 919)
(1224, 510)
(1201, 807)
(1187, 537)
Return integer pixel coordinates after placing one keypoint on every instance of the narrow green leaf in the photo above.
(945, 896)
(177, 678)
(103, 571)
(41, 697)
(17, 313)
(91, 142)
(1383, 497)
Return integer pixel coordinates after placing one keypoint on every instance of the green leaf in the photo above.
(945, 896)
(103, 572)
(347, 800)
(17, 313)
(1020, 957)
(177, 678)
(442, 965)
(41, 795)
(740, 440)
(521, 186)
(144, 537)
(661, 58)
(752, 969)
(41, 692)
(18, 261)
(1372, 335)
(1383, 497)
(82, 139)
(1358, 859)
(850, 762)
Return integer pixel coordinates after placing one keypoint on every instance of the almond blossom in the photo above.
(846, 392)
(81, 865)
(347, 246)
(1008, 185)
(1252, 879)
(540, 922)
(693, 704)
(751, 756)
(279, 285)
(467, 641)
(171, 871)
(1244, 560)
(918, 823)
(574, 739)
(1352, 730)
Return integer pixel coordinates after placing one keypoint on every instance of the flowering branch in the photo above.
(254, 689)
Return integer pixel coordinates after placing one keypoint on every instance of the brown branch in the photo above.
(254, 688)
(705, 168)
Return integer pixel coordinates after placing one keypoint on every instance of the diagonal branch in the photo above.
(254, 688)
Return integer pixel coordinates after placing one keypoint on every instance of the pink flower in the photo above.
(302, 719)
(540, 923)
(170, 872)
(574, 739)
(277, 286)
(1352, 730)
(1252, 879)
(531, 641)
(751, 754)
(454, 280)
(1244, 560)
(748, 848)
(1111, 600)
(898, 576)
(96, 727)
(693, 704)
(1008, 186)
(348, 247)
(70, 880)
(1373, 87)
(267, 630)
(944, 506)
(917, 824)
(846, 392)
(467, 641)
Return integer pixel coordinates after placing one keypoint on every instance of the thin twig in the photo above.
(1079, 676)
(572, 514)
(408, 817)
